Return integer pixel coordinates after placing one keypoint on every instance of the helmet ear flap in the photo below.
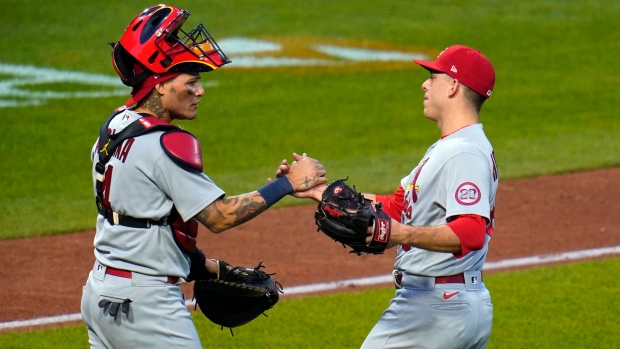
(125, 64)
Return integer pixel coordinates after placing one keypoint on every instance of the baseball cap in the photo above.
(465, 64)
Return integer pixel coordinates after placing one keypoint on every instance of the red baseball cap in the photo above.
(466, 65)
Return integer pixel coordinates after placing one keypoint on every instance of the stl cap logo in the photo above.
(453, 69)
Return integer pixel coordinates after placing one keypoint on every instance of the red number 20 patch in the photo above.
(467, 194)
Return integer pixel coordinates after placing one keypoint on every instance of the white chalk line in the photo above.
(366, 281)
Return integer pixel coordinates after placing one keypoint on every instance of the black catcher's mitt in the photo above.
(345, 216)
(237, 295)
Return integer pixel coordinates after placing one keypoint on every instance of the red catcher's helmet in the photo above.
(155, 40)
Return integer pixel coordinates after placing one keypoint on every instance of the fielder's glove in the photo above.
(345, 216)
(237, 295)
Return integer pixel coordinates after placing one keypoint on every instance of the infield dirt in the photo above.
(536, 216)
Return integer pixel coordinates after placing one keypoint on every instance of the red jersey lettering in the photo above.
(122, 151)
(105, 187)
(495, 174)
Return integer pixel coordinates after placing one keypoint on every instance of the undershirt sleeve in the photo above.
(471, 230)
(393, 204)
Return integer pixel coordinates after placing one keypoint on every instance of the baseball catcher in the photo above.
(152, 193)
(236, 295)
(346, 216)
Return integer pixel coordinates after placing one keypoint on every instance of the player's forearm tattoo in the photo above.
(248, 210)
(209, 214)
(232, 211)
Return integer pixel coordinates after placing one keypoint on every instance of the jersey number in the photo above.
(105, 187)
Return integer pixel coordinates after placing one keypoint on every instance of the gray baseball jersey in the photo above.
(457, 175)
(131, 299)
(145, 183)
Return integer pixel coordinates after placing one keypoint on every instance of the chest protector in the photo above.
(180, 146)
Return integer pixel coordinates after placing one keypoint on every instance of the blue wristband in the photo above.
(275, 190)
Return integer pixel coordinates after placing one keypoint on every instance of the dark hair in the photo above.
(473, 97)
(148, 99)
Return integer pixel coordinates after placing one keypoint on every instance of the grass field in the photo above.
(543, 308)
(553, 111)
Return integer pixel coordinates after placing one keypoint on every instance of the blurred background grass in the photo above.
(553, 109)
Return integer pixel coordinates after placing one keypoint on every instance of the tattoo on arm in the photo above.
(209, 214)
(231, 211)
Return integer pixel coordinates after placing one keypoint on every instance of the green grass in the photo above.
(571, 306)
(567, 306)
(553, 109)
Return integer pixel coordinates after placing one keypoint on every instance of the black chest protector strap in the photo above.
(106, 147)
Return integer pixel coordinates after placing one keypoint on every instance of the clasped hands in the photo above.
(306, 174)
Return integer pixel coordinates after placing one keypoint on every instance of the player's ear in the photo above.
(161, 88)
(454, 87)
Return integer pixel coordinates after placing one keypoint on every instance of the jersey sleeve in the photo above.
(470, 230)
(191, 191)
(93, 151)
(467, 183)
(393, 204)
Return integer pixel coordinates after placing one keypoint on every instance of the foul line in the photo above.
(501, 264)
(366, 281)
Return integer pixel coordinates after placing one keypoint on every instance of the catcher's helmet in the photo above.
(155, 40)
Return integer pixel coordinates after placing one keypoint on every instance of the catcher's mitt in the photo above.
(344, 215)
(237, 295)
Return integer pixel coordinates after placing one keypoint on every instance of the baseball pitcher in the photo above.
(441, 217)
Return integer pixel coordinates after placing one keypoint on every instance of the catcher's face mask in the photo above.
(155, 40)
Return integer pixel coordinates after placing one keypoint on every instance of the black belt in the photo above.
(128, 221)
